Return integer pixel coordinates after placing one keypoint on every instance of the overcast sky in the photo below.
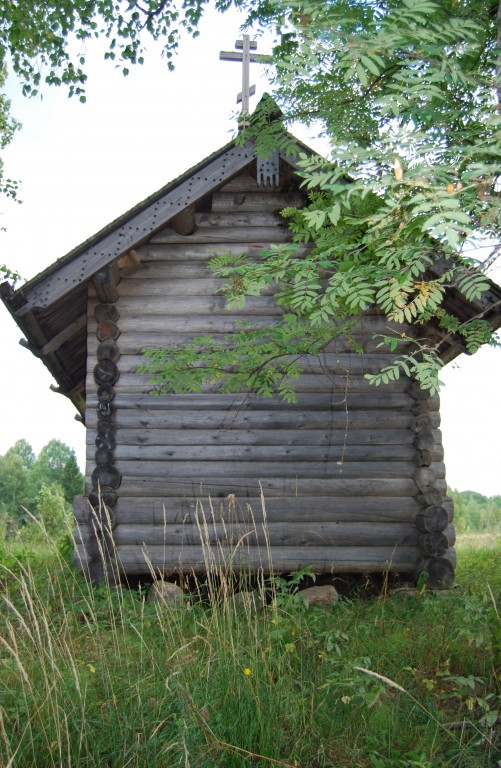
(81, 166)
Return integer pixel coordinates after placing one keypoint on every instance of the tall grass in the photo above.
(99, 676)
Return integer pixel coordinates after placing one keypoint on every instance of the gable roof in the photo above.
(51, 308)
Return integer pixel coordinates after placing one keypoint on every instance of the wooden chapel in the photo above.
(349, 479)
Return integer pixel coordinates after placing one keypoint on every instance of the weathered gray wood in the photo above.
(184, 222)
(255, 201)
(310, 400)
(258, 437)
(108, 475)
(274, 419)
(308, 453)
(163, 511)
(239, 219)
(322, 559)
(105, 282)
(200, 252)
(440, 572)
(434, 544)
(133, 486)
(65, 335)
(201, 286)
(329, 365)
(178, 305)
(279, 534)
(103, 312)
(107, 329)
(222, 235)
(105, 372)
(432, 519)
(108, 350)
(135, 383)
(264, 469)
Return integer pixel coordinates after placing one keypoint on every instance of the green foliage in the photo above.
(406, 92)
(37, 488)
(98, 675)
(475, 513)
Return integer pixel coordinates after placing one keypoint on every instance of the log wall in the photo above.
(348, 479)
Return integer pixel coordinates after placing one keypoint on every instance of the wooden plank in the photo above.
(192, 286)
(202, 252)
(253, 454)
(165, 331)
(160, 511)
(316, 401)
(223, 235)
(178, 305)
(328, 402)
(140, 384)
(235, 470)
(325, 365)
(136, 560)
(67, 333)
(269, 453)
(134, 486)
(135, 229)
(259, 437)
(173, 418)
(239, 219)
(255, 201)
(275, 535)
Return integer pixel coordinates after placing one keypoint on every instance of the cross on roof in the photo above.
(246, 57)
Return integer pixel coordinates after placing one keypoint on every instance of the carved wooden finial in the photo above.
(246, 57)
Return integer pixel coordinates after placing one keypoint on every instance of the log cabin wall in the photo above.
(348, 479)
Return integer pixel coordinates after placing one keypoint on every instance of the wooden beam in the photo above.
(130, 260)
(105, 282)
(64, 335)
(184, 222)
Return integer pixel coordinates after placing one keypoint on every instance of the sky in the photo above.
(82, 165)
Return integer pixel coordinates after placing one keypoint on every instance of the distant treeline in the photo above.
(42, 486)
(475, 513)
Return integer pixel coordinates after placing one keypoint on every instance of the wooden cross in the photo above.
(246, 57)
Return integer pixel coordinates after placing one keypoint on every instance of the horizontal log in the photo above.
(265, 469)
(168, 560)
(333, 366)
(200, 305)
(341, 396)
(239, 219)
(164, 511)
(271, 487)
(299, 437)
(281, 534)
(191, 286)
(255, 201)
(219, 236)
(271, 453)
(137, 415)
(202, 252)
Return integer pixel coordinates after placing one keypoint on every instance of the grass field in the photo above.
(100, 677)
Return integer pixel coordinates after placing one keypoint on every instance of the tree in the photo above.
(409, 93)
(51, 463)
(72, 480)
(41, 486)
